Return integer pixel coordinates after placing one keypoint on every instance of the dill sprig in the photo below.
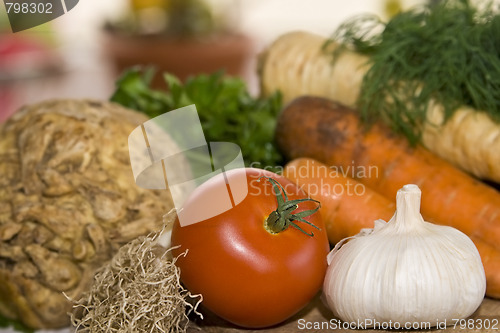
(448, 52)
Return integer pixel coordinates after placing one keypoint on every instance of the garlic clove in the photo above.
(405, 271)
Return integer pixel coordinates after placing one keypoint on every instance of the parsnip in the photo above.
(296, 65)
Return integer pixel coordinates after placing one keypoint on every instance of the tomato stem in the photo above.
(283, 217)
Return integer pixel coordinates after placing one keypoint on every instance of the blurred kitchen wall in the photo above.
(264, 19)
(85, 70)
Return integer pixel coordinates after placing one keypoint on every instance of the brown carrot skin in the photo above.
(333, 134)
(347, 206)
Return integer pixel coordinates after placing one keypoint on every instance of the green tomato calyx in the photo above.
(284, 216)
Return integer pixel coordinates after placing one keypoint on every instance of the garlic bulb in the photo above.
(405, 271)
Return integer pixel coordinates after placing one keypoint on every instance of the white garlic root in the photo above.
(405, 271)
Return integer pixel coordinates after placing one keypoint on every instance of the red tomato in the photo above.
(246, 274)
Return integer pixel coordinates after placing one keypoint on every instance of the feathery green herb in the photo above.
(226, 109)
(448, 52)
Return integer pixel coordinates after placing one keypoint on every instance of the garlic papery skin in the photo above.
(405, 271)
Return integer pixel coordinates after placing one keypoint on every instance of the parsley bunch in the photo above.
(228, 113)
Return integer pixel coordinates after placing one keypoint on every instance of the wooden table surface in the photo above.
(318, 314)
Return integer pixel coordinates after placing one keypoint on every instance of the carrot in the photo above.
(345, 214)
(347, 206)
(490, 256)
(331, 133)
(296, 65)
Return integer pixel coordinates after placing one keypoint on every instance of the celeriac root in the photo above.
(138, 291)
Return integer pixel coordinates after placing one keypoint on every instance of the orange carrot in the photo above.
(347, 206)
(490, 256)
(332, 133)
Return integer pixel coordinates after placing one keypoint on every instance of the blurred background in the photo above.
(82, 53)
